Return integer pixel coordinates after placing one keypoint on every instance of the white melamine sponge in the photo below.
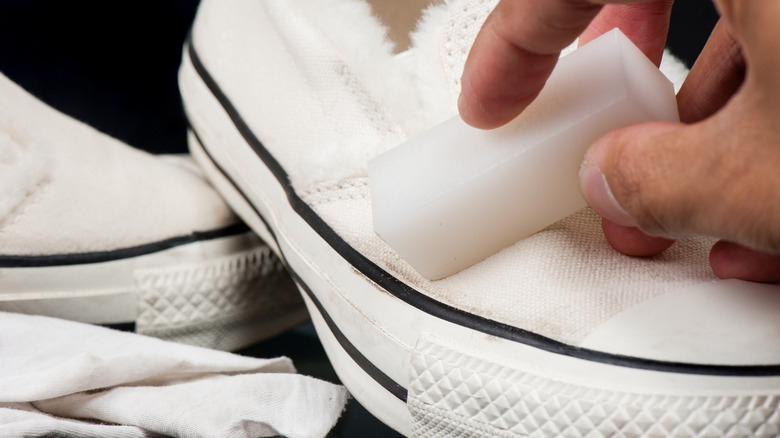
(455, 195)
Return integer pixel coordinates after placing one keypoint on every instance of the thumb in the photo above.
(616, 173)
(672, 180)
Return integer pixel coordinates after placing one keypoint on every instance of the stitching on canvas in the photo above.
(324, 193)
(372, 109)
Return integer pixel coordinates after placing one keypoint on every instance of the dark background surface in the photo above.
(113, 65)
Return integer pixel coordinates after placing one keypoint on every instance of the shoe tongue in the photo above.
(22, 169)
(440, 44)
(447, 32)
(394, 96)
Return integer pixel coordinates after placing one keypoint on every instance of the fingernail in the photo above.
(596, 191)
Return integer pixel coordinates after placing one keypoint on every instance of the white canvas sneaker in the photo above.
(94, 231)
(557, 335)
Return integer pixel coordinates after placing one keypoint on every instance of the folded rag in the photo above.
(64, 378)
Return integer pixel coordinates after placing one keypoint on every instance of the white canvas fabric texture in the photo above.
(64, 378)
(561, 282)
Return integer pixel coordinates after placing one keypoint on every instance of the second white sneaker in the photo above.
(95, 231)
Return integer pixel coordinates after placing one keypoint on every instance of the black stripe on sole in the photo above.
(39, 261)
(362, 361)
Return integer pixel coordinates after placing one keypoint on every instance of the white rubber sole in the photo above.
(427, 369)
(224, 292)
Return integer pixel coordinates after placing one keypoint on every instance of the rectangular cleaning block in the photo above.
(455, 195)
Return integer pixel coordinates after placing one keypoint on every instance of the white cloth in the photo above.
(65, 378)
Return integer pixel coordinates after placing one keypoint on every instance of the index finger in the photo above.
(521, 40)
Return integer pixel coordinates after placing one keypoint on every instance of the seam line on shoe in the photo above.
(362, 361)
(39, 261)
(428, 305)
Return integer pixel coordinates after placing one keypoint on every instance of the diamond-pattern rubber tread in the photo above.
(453, 394)
(216, 299)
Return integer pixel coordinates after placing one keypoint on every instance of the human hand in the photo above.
(717, 173)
